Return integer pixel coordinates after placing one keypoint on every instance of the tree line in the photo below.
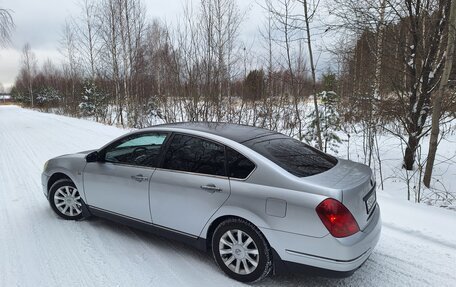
(387, 70)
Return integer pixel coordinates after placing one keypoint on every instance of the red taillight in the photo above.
(337, 218)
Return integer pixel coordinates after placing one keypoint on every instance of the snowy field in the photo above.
(417, 246)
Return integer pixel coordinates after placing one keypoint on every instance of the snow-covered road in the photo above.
(417, 247)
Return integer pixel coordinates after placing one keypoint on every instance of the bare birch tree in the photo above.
(87, 34)
(219, 22)
(6, 26)
(192, 69)
(71, 64)
(286, 35)
(108, 25)
(29, 69)
(439, 95)
(307, 19)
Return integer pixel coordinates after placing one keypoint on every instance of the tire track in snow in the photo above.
(90, 255)
(418, 234)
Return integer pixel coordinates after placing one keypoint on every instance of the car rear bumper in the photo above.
(336, 255)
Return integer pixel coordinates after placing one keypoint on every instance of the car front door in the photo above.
(191, 184)
(119, 181)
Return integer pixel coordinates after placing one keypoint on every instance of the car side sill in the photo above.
(198, 242)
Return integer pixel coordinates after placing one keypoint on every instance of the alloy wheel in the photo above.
(239, 251)
(68, 201)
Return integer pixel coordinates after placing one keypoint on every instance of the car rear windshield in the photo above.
(292, 155)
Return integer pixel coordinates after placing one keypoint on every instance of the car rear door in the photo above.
(191, 184)
(119, 182)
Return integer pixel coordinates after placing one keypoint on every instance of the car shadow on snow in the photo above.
(164, 247)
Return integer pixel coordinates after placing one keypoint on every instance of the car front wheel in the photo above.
(241, 251)
(65, 199)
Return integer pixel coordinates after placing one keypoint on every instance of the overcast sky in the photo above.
(39, 22)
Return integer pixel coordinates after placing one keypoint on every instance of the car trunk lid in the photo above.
(357, 186)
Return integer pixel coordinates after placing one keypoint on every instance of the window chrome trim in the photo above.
(248, 176)
(192, 173)
(129, 165)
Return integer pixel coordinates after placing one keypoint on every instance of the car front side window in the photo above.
(142, 150)
(192, 154)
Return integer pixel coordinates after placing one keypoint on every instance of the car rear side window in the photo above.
(292, 155)
(192, 154)
(238, 165)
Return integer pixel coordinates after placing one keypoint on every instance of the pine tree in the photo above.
(329, 117)
(93, 101)
(47, 96)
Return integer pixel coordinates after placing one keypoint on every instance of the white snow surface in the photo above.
(417, 246)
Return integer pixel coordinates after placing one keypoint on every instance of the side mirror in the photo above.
(92, 157)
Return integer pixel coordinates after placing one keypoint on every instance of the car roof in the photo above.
(235, 132)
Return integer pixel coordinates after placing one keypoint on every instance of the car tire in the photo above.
(241, 250)
(65, 199)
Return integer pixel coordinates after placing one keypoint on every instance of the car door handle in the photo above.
(139, 178)
(211, 188)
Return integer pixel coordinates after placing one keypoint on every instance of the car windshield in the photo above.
(292, 155)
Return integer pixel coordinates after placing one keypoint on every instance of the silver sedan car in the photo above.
(260, 201)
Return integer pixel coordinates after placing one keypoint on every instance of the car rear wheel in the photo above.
(65, 199)
(241, 251)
